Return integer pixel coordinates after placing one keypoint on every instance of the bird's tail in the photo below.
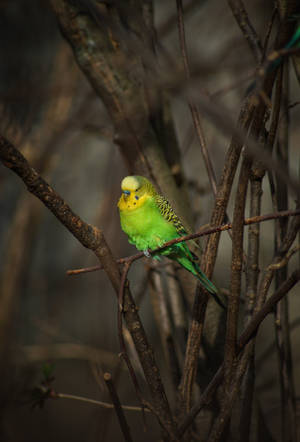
(193, 267)
(210, 287)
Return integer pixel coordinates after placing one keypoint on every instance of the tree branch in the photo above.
(244, 338)
(206, 232)
(242, 19)
(93, 239)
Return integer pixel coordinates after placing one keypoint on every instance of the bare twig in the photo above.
(209, 256)
(192, 349)
(162, 317)
(210, 231)
(273, 131)
(96, 402)
(252, 272)
(236, 271)
(272, 61)
(267, 308)
(268, 274)
(118, 408)
(193, 108)
(93, 239)
(285, 260)
(281, 320)
(268, 32)
(124, 354)
(231, 394)
(244, 338)
(242, 18)
(220, 116)
(177, 308)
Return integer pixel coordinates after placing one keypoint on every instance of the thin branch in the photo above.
(267, 308)
(164, 425)
(84, 270)
(192, 349)
(242, 19)
(193, 108)
(96, 268)
(272, 133)
(281, 317)
(162, 317)
(177, 308)
(268, 274)
(118, 408)
(271, 62)
(230, 396)
(210, 231)
(268, 32)
(96, 402)
(244, 338)
(220, 116)
(93, 239)
(252, 272)
(236, 271)
(124, 354)
(285, 260)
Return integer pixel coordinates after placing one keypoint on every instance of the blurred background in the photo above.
(52, 114)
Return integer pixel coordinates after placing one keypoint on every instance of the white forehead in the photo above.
(130, 183)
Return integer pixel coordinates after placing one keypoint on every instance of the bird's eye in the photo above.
(127, 192)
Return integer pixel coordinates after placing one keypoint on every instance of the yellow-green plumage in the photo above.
(149, 221)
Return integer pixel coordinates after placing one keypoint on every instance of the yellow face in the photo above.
(133, 193)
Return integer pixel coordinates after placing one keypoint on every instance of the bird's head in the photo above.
(135, 190)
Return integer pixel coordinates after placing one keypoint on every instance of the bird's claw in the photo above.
(147, 253)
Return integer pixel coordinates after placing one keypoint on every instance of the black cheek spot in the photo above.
(134, 203)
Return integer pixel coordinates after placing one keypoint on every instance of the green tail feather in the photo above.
(190, 265)
(210, 287)
(295, 39)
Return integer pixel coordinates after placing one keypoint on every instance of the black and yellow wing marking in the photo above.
(169, 214)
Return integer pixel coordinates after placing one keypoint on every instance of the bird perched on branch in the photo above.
(149, 221)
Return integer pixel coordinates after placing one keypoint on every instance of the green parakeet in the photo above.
(149, 221)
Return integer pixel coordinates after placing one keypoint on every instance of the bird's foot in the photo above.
(147, 253)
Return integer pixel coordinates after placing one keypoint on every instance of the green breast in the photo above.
(146, 227)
